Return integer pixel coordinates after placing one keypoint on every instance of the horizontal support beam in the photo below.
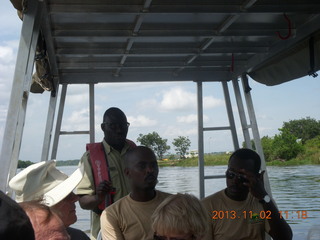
(198, 7)
(214, 176)
(145, 65)
(177, 31)
(95, 76)
(216, 128)
(85, 53)
(158, 39)
(73, 132)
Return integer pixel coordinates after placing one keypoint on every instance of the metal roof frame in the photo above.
(155, 40)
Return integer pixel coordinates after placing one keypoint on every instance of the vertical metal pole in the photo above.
(242, 114)
(200, 139)
(49, 126)
(59, 120)
(91, 112)
(46, 31)
(20, 90)
(253, 121)
(230, 115)
(255, 133)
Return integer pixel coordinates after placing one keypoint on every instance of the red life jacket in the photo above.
(100, 167)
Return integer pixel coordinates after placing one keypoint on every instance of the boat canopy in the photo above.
(162, 40)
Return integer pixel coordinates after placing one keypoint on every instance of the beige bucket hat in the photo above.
(43, 179)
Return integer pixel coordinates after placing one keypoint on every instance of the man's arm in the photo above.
(90, 196)
(110, 229)
(91, 202)
(279, 228)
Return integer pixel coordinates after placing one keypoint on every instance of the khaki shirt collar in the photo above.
(109, 149)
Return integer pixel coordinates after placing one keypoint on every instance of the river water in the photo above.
(295, 190)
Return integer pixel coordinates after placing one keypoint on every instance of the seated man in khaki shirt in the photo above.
(130, 217)
(244, 209)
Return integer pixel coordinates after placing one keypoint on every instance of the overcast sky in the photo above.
(167, 108)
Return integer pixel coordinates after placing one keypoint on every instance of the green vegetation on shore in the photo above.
(210, 160)
(24, 164)
(310, 157)
(68, 163)
(298, 143)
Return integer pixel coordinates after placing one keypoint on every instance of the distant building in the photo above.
(191, 154)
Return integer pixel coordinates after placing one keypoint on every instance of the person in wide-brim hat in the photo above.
(43, 181)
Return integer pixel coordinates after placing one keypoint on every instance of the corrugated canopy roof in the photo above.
(181, 40)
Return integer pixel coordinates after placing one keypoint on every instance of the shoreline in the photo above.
(216, 160)
(209, 160)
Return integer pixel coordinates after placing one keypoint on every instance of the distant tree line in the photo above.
(24, 164)
(296, 137)
(160, 146)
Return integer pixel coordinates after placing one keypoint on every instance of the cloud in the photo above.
(7, 64)
(78, 99)
(268, 131)
(3, 113)
(178, 99)
(131, 86)
(10, 23)
(264, 117)
(192, 118)
(77, 95)
(211, 102)
(75, 89)
(6, 55)
(174, 131)
(77, 121)
(141, 121)
(147, 104)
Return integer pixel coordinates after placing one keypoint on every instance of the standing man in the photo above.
(104, 182)
(130, 217)
(244, 210)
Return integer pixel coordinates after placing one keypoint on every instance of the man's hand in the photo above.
(92, 201)
(279, 228)
(254, 183)
(104, 188)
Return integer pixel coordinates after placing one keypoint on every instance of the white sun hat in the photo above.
(44, 180)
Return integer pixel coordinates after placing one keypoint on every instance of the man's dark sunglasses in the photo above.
(231, 175)
(114, 126)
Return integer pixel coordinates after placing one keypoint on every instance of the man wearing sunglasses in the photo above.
(104, 181)
(244, 210)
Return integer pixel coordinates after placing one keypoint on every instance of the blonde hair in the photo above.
(180, 213)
